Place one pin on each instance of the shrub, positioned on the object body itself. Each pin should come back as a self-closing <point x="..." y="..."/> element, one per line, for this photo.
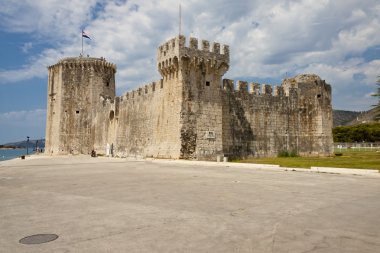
<point x="283" y="153"/>
<point x="286" y="153"/>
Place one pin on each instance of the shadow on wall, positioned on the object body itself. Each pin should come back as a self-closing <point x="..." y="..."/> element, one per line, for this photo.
<point x="241" y="131"/>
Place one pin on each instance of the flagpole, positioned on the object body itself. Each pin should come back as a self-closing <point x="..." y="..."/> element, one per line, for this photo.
<point x="180" y="19"/>
<point x="82" y="42"/>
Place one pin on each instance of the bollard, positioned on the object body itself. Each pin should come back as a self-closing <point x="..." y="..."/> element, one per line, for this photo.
<point x="218" y="158"/>
<point x="225" y="159"/>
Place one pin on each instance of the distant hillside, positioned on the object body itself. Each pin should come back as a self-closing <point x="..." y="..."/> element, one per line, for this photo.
<point x="365" y="117"/>
<point x="349" y="118"/>
<point x="22" y="144"/>
<point x="342" y="118"/>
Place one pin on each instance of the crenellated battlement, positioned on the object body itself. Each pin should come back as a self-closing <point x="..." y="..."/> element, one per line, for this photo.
<point x="171" y="53"/>
<point x="143" y="90"/>
<point x="306" y="84"/>
<point x="205" y="50"/>
<point x="255" y="89"/>
<point x="84" y="62"/>
<point x="173" y="46"/>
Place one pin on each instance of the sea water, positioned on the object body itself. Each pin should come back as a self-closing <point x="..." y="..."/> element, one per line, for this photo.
<point x="6" y="154"/>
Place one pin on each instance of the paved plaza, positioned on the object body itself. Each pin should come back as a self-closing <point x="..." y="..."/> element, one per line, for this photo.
<point x="118" y="205"/>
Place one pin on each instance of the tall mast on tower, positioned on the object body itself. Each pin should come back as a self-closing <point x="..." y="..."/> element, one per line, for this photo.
<point x="179" y="20"/>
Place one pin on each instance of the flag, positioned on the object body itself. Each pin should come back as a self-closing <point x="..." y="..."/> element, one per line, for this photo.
<point x="85" y="35"/>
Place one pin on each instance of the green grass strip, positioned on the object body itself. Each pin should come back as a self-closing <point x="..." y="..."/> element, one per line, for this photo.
<point x="348" y="159"/>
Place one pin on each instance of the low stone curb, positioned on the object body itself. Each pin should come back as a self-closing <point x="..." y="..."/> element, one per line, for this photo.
<point x="220" y="164"/>
<point x="345" y="171"/>
<point x="274" y="167"/>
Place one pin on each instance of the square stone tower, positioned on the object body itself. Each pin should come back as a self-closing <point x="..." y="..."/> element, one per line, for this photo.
<point x="198" y="73"/>
<point x="74" y="87"/>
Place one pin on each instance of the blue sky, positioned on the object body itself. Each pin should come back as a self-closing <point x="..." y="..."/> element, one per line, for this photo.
<point x="338" y="39"/>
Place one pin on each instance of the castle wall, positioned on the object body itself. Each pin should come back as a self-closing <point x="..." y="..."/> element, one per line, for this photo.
<point x="253" y="123"/>
<point x="189" y="114"/>
<point x="141" y="123"/>
<point x="260" y="124"/>
<point x="103" y="125"/>
<point x="148" y="121"/>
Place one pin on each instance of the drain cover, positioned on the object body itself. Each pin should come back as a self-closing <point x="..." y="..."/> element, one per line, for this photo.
<point x="38" y="239"/>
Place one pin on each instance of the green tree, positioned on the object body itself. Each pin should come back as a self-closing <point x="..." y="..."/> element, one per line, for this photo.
<point x="369" y="132"/>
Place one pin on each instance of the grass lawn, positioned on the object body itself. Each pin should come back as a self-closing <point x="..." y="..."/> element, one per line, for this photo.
<point x="349" y="159"/>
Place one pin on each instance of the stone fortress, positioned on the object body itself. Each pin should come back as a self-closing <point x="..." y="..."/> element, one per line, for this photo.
<point x="191" y="113"/>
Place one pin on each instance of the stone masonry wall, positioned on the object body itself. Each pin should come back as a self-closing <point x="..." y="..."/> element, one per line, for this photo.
<point x="189" y="114"/>
<point x="295" y="118"/>
<point x="75" y="85"/>
<point x="255" y="122"/>
<point x="148" y="122"/>
<point x="54" y="102"/>
<point x="201" y="115"/>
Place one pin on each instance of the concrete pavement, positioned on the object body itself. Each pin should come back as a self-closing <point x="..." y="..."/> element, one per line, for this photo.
<point x="119" y="205"/>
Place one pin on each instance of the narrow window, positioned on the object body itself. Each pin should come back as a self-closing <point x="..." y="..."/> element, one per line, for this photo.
<point x="77" y="112"/>
<point x="207" y="83"/>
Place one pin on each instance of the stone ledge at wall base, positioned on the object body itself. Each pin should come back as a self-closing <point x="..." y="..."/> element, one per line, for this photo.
<point x="275" y="167"/>
<point x="345" y="171"/>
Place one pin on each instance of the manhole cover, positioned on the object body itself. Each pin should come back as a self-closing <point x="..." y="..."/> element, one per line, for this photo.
<point x="38" y="239"/>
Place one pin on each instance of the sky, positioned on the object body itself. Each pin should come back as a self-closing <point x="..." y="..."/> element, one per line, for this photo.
<point x="339" y="40"/>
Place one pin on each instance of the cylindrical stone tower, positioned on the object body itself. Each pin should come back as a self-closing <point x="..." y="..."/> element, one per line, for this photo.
<point x="75" y="86"/>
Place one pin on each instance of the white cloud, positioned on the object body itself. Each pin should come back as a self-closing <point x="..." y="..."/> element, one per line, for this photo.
<point x="47" y="18"/>
<point x="36" y="68"/>
<point x="266" y="38"/>
<point x="24" y="118"/>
